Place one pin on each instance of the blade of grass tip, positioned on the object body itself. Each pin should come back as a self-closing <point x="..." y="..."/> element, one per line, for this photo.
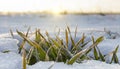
<point x="68" y="29"/>
<point x="60" y="41"/>
<point x="28" y="31"/>
<point x="83" y="38"/>
<point x="116" y="49"/>
<point x="24" y="59"/>
<point x="42" y="36"/>
<point x="75" y="33"/>
<point x="73" y="43"/>
<point x="66" y="35"/>
<point x="23" y="42"/>
<point x="80" y="41"/>
<point x="37" y="36"/>
<point x="11" y="32"/>
<point x="48" y="36"/>
<point x="93" y="40"/>
<point x="100" y="39"/>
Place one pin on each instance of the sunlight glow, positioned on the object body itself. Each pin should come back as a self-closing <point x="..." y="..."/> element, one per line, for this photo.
<point x="57" y="6"/>
<point x="56" y="11"/>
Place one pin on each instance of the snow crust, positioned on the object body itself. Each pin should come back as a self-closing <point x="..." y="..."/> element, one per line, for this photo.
<point x="90" y="64"/>
<point x="8" y="44"/>
<point x="10" y="60"/>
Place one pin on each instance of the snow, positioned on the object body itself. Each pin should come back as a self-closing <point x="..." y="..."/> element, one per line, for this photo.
<point x="89" y="64"/>
<point x="53" y="23"/>
<point x="13" y="61"/>
<point x="8" y="44"/>
<point x="10" y="59"/>
<point x="109" y="45"/>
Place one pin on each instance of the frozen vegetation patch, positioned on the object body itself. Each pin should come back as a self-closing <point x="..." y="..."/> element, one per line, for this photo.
<point x="46" y="52"/>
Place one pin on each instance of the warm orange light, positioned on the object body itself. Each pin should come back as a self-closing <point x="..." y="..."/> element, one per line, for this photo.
<point x="56" y="11"/>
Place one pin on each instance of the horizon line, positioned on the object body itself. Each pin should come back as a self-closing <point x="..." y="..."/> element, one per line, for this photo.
<point x="61" y="12"/>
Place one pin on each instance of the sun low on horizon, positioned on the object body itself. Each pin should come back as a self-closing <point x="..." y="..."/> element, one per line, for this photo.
<point x="57" y="6"/>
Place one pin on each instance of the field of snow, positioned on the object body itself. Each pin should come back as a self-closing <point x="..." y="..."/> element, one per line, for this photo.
<point x="89" y="24"/>
<point x="52" y="22"/>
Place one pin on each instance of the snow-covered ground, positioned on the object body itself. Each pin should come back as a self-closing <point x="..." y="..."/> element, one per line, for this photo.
<point x="10" y="59"/>
<point x="90" y="64"/>
<point x="53" y="22"/>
